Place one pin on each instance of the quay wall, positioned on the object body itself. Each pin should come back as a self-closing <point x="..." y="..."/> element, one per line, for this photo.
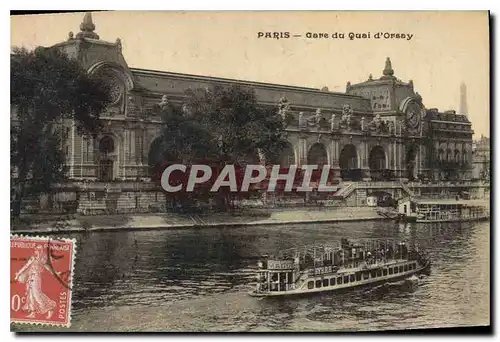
<point x="145" y="197"/>
<point x="245" y="218"/>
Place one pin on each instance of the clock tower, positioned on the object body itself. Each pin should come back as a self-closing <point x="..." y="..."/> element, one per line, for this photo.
<point x="396" y="103"/>
<point x="393" y="100"/>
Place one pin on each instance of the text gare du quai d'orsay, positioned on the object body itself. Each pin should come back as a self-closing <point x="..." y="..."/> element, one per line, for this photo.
<point x="336" y="35"/>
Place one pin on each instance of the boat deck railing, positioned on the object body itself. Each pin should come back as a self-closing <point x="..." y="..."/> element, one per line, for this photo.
<point x="360" y="264"/>
<point x="365" y="243"/>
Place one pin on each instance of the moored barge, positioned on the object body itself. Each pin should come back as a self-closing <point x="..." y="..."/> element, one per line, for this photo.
<point x="429" y="211"/>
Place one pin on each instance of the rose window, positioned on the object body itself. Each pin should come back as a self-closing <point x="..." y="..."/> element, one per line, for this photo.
<point x="114" y="89"/>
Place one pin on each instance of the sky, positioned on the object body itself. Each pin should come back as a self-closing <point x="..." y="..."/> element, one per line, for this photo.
<point x="446" y="48"/>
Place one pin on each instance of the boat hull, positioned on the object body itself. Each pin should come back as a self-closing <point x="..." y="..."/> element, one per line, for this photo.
<point x="410" y="219"/>
<point x="369" y="282"/>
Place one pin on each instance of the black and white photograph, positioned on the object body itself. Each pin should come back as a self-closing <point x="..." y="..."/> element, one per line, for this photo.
<point x="249" y="171"/>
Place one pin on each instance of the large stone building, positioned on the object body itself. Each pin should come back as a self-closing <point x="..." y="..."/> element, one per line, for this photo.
<point x="378" y="129"/>
<point x="481" y="159"/>
<point x="380" y="124"/>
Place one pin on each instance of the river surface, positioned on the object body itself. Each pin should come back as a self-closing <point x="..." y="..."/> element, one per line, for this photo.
<point x="198" y="279"/>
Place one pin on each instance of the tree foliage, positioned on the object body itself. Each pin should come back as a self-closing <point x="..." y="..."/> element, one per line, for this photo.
<point x="46" y="88"/>
<point x="183" y="139"/>
<point x="220" y="126"/>
<point x="239" y="126"/>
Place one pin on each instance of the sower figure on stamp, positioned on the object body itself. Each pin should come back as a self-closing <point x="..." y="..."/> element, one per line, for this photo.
<point x="37" y="302"/>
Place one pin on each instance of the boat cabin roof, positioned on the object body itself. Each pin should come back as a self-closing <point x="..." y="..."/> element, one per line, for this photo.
<point x="353" y="243"/>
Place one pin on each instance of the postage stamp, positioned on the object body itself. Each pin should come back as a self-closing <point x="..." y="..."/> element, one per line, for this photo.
<point x="41" y="276"/>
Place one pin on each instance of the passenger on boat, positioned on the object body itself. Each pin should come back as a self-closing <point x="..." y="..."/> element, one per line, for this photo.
<point x="308" y="259"/>
<point x="404" y="251"/>
<point x="345" y="244"/>
<point x="390" y="254"/>
<point x="328" y="262"/>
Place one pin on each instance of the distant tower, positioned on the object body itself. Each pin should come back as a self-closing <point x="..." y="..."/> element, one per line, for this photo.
<point x="463" y="99"/>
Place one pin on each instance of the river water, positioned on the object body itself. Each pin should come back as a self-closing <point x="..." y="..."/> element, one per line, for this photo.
<point x="198" y="279"/>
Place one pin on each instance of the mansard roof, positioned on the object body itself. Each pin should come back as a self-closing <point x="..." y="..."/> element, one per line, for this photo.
<point x="174" y="84"/>
<point x="449" y="115"/>
<point x="221" y="80"/>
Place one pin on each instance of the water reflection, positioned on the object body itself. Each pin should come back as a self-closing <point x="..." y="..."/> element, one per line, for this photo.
<point x="198" y="279"/>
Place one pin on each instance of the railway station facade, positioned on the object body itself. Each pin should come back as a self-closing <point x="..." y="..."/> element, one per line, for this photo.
<point x="378" y="128"/>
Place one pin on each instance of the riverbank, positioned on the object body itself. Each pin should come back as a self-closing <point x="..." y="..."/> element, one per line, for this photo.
<point x="82" y="223"/>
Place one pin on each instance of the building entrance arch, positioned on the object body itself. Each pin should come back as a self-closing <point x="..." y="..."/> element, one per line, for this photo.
<point x="348" y="163"/>
<point x="377" y="163"/>
<point x="107" y="156"/>
<point x="317" y="155"/>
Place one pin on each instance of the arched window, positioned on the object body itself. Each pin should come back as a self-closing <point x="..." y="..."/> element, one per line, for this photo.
<point x="287" y="156"/>
<point x="317" y="155"/>
<point x="441" y="155"/>
<point x="377" y="158"/>
<point x="106" y="145"/>
<point x="465" y="157"/>
<point x="377" y="163"/>
<point x="348" y="157"/>
<point x="449" y="155"/>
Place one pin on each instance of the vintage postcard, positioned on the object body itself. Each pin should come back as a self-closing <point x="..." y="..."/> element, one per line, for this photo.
<point x="250" y="171"/>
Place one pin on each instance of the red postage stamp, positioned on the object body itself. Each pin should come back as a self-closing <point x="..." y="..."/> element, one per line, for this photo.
<point x="41" y="276"/>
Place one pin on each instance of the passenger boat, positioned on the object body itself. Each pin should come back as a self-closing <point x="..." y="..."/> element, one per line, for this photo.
<point x="345" y="265"/>
<point x="425" y="211"/>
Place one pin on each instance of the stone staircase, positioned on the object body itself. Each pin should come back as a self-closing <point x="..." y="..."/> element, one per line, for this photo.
<point x="408" y="191"/>
<point x="346" y="188"/>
